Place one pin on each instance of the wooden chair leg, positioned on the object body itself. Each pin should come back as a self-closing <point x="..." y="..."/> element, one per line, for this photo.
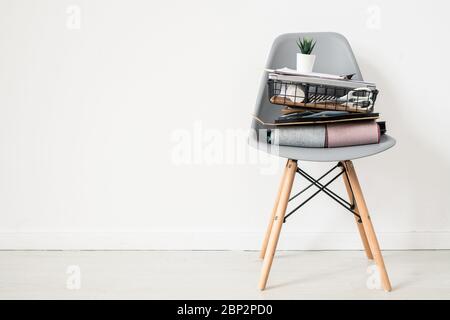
<point x="272" y="215"/>
<point x="291" y="168"/>
<point x="367" y="224"/>
<point x="359" y="224"/>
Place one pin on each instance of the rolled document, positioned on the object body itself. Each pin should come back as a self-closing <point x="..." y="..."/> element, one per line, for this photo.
<point x="292" y="93"/>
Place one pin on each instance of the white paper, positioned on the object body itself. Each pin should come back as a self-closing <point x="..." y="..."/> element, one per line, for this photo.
<point x="293" y="72"/>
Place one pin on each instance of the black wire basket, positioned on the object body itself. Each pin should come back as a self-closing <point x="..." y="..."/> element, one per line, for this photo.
<point x="323" y="97"/>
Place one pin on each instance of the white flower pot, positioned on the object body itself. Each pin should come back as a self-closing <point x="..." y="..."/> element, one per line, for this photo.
<point x="305" y="62"/>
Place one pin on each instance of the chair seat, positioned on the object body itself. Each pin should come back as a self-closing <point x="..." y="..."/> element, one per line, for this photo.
<point x="325" y="154"/>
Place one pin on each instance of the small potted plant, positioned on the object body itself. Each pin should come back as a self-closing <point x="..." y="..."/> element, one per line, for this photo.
<point x="305" y="60"/>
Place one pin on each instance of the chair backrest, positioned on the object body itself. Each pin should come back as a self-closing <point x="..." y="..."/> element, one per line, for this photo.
<point x="333" y="55"/>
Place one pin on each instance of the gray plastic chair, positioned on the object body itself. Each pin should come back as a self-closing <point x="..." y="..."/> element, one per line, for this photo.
<point x="334" y="56"/>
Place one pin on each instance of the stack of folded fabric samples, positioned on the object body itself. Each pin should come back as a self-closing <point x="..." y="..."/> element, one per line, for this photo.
<point x="339" y="122"/>
<point x="330" y="135"/>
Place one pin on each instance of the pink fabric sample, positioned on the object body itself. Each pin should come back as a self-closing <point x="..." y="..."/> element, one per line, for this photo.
<point x="352" y="133"/>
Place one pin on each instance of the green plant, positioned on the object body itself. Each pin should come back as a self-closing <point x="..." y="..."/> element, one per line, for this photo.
<point x="306" y="45"/>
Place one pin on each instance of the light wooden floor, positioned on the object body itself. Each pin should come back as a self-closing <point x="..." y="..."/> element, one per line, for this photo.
<point x="219" y="275"/>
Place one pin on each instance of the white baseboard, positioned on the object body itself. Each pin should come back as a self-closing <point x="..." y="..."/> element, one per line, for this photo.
<point x="214" y="240"/>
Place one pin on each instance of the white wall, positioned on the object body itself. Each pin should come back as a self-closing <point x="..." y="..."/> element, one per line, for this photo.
<point x="87" y="156"/>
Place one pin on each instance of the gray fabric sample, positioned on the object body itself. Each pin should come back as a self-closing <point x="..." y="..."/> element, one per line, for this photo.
<point x="312" y="136"/>
<point x="325" y="154"/>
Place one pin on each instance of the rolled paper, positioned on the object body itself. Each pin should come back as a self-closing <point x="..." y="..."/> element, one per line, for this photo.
<point x="352" y="134"/>
<point x="291" y="92"/>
